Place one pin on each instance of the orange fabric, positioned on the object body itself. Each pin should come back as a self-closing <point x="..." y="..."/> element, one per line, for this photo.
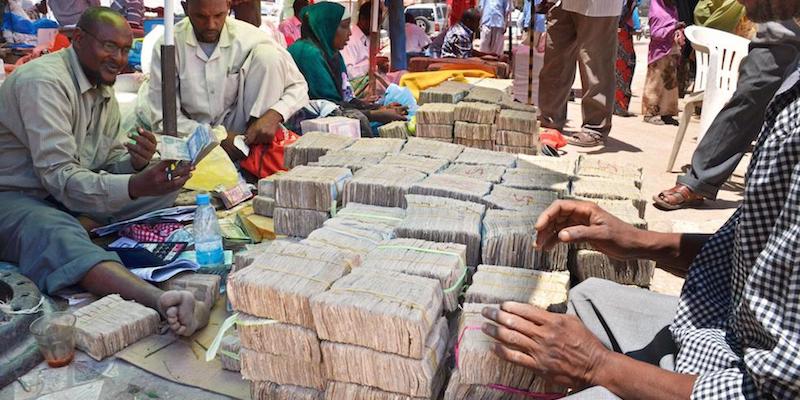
<point x="552" y="137"/>
<point x="266" y="160"/>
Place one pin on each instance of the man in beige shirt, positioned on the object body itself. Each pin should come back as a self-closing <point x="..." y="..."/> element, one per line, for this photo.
<point x="229" y="73"/>
<point x="62" y="156"/>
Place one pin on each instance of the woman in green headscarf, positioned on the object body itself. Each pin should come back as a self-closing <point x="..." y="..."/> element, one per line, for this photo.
<point x="324" y="31"/>
<point x="724" y="15"/>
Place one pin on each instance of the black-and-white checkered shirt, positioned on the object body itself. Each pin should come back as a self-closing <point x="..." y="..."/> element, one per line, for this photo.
<point x="738" y="322"/>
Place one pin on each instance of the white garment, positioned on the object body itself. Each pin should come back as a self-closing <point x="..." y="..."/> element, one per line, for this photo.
<point x="356" y="53"/>
<point x="215" y="89"/>
<point x="594" y="8"/>
<point x="492" y="40"/>
<point x="416" y="39"/>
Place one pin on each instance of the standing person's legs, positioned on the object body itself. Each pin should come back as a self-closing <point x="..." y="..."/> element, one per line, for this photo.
<point x="660" y="98"/>
<point x="627" y="320"/>
<point x="597" y="44"/>
<point x="490" y="42"/>
<point x="735" y="127"/>
<point x="498" y="40"/>
<point x="558" y="71"/>
<point x="625" y="65"/>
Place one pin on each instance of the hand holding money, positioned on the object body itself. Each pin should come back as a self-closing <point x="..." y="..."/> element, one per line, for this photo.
<point x="153" y="181"/>
<point x="141" y="146"/>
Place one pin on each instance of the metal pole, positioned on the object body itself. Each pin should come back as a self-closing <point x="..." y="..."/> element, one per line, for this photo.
<point x="374" y="36"/>
<point x="168" y="72"/>
<point x="397" y="35"/>
<point x="531" y="45"/>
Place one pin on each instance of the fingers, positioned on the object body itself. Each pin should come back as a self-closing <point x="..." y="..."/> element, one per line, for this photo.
<point x="581" y="233"/>
<point x="510" y="338"/>
<point x="511" y="321"/>
<point x="530" y="312"/>
<point x="560" y="214"/>
<point x="515" y="356"/>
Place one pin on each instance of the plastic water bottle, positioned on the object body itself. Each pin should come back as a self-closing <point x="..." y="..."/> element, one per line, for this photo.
<point x="207" y="236"/>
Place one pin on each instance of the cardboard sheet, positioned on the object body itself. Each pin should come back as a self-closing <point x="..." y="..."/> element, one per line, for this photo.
<point x="181" y="359"/>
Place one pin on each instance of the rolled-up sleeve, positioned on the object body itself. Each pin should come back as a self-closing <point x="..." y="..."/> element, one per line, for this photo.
<point x="46" y="115"/>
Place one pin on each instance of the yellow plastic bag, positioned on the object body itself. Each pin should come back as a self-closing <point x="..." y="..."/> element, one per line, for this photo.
<point x="215" y="169"/>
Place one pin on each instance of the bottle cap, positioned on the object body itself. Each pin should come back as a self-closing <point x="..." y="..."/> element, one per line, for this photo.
<point x="203" y="199"/>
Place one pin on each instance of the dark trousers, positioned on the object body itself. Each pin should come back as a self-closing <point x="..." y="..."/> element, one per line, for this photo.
<point x="740" y="121"/>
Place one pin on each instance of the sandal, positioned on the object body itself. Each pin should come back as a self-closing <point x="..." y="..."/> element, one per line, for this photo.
<point x="678" y="197"/>
<point x="585" y="139"/>
<point x="654" y="119"/>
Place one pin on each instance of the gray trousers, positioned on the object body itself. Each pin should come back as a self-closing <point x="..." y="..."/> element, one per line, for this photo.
<point x="740" y="121"/>
<point x="592" y="42"/>
<point x="49" y="244"/>
<point x="627" y="320"/>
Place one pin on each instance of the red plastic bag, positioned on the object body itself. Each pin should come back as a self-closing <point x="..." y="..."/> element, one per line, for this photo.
<point x="266" y="160"/>
<point x="552" y="137"/>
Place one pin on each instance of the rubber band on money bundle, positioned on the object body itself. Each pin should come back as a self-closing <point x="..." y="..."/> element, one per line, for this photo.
<point x="434" y="251"/>
<point x="352" y="235"/>
<point x="226" y="325"/>
<point x="293" y="274"/>
<point x="8" y="310"/>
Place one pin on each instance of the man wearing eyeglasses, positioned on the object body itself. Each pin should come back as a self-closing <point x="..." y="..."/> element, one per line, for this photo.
<point x="229" y="74"/>
<point x="63" y="157"/>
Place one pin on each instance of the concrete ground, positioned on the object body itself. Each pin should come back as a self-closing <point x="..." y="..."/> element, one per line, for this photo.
<point x="634" y="141"/>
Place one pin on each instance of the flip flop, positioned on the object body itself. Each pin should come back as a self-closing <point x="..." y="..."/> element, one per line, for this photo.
<point x="683" y="197"/>
<point x="585" y="139"/>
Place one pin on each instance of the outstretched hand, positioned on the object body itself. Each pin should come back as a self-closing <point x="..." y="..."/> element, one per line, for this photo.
<point x="557" y="347"/>
<point x="141" y="147"/>
<point x="571" y="221"/>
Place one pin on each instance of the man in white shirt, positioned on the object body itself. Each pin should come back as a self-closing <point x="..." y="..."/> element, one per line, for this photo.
<point x="584" y="31"/>
<point x="416" y="38"/>
<point x="356" y="52"/>
<point x="230" y="74"/>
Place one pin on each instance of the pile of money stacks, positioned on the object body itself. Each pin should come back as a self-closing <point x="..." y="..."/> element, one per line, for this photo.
<point x="597" y="188"/>
<point x="561" y="166"/>
<point x="509" y="198"/>
<point x="537" y="179"/>
<point x="111" y="324"/>
<point x="384" y="330"/>
<point x="483" y="172"/>
<point x="444" y="220"/>
<point x="358" y="228"/>
<point x="486" y="157"/>
<point x="394" y="129"/>
<point x="432" y="149"/>
<point x="382" y="185"/>
<point x="305" y="196"/>
<point x="452" y="187"/>
<point x="347" y="158"/>
<point x="517" y="132"/>
<point x="273" y="391"/>
<point x="474" y="126"/>
<point x="204" y="287"/>
<point x="311" y="146"/>
<point x="229" y="352"/>
<point x="422" y="164"/>
<point x="264" y="203"/>
<point x="445" y="262"/>
<point x="586" y="262"/>
<point x="435" y="121"/>
<point x="378" y="145"/>
<point x="486" y="95"/>
<point x="591" y="166"/>
<point x="494" y="284"/>
<point x="509" y="239"/>
<point x="342" y="126"/>
<point x="446" y="92"/>
<point x="273" y="295"/>
<point x="480" y="373"/>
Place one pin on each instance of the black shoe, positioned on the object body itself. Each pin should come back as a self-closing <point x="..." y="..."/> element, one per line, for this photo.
<point x="624" y="113"/>
<point x="669" y="120"/>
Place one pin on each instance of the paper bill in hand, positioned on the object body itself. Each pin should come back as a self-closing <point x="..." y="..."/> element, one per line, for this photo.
<point x="193" y="149"/>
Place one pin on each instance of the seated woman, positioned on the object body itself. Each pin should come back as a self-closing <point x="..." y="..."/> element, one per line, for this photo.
<point x="324" y="32"/>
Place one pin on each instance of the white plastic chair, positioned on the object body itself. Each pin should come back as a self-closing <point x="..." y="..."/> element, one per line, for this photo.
<point x="718" y="55"/>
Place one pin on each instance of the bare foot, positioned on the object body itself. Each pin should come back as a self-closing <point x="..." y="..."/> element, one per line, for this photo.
<point x="184" y="314"/>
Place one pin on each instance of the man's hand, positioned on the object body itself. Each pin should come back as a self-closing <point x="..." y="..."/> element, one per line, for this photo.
<point x="557" y="347"/>
<point x="262" y="130"/>
<point x="570" y="221"/>
<point x="141" y="147"/>
<point x="385" y="115"/>
<point x="155" y="180"/>
<point x="228" y="145"/>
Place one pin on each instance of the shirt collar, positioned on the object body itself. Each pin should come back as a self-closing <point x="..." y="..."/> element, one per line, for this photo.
<point x="83" y="82"/>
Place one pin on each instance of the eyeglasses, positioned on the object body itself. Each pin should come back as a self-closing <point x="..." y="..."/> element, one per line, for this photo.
<point x="108" y="46"/>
